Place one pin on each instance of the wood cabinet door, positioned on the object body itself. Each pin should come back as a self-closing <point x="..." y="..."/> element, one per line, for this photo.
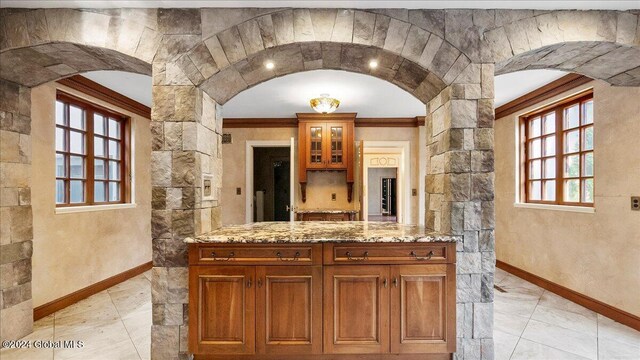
<point x="221" y="309"/>
<point x="356" y="309"/>
<point x="337" y="145"/>
<point x="338" y="217"/>
<point x="423" y="308"/>
<point x="313" y="217"/>
<point x="315" y="143"/>
<point x="289" y="310"/>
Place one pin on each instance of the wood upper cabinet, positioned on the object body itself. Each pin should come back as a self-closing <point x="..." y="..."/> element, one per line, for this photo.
<point x="289" y="309"/>
<point x="222" y="302"/>
<point x="356" y="315"/>
<point x="337" y="151"/>
<point x="325" y="142"/>
<point x="315" y="145"/>
<point x="423" y="308"/>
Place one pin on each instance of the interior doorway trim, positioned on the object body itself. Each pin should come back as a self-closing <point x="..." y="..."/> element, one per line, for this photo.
<point x="404" y="171"/>
<point x="248" y="182"/>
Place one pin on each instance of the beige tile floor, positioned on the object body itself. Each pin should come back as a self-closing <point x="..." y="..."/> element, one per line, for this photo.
<point x="532" y="323"/>
<point x="113" y="324"/>
<point x="529" y="323"/>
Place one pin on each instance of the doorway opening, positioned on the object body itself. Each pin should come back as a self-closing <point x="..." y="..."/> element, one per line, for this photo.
<point x="385" y="181"/>
<point x="271" y="183"/>
<point x="383" y="196"/>
<point x="270" y="176"/>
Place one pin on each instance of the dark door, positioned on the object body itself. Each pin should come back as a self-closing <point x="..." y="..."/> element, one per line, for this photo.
<point x="271" y="176"/>
<point x="281" y="181"/>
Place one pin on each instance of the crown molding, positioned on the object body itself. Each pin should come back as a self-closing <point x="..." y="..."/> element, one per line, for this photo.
<point x="92" y="88"/>
<point x="545" y="92"/>
<point x="230" y="123"/>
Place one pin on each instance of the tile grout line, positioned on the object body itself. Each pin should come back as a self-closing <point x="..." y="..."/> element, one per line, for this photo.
<point x="123" y="325"/>
<point x="547" y="345"/>
<point x="597" y="337"/>
<point x="525" y="327"/>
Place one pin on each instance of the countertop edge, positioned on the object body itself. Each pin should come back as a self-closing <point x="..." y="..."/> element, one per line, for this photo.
<point x="428" y="239"/>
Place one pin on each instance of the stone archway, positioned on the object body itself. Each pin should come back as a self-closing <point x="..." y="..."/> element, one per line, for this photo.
<point x="202" y="57"/>
<point x="603" y="45"/>
<point x="38" y="46"/>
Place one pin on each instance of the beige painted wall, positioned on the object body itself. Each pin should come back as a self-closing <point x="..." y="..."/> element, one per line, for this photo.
<point x="596" y="254"/>
<point x="73" y="251"/>
<point x="320" y="184"/>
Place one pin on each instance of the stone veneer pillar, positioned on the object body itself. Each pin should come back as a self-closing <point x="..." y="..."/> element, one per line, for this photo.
<point x="186" y="129"/>
<point x="460" y="194"/>
<point x="16" y="219"/>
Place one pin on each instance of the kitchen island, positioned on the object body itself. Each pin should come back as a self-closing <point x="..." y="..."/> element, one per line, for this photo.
<point x="322" y="290"/>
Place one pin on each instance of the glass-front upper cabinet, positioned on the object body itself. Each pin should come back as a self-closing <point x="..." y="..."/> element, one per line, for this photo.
<point x="336" y="148"/>
<point x="315" y="146"/>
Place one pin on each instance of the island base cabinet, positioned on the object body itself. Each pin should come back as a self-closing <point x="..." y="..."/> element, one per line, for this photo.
<point x="356" y="317"/>
<point x="244" y="310"/>
<point x="357" y="302"/>
<point x="397" y="309"/>
<point x="423" y="308"/>
<point x="222" y="309"/>
<point x="289" y="310"/>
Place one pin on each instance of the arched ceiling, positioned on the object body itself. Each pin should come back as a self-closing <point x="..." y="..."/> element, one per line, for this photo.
<point x="274" y="99"/>
<point x="392" y="4"/>
<point x="284" y="96"/>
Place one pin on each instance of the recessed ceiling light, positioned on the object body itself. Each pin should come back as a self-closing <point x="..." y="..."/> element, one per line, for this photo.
<point x="373" y="64"/>
<point x="269" y="65"/>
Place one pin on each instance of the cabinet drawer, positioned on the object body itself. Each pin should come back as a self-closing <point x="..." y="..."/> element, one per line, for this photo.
<point x="389" y="253"/>
<point x="255" y="254"/>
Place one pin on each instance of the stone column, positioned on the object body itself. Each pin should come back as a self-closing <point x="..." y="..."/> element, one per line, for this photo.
<point x="16" y="219"/>
<point x="459" y="199"/>
<point x="186" y="128"/>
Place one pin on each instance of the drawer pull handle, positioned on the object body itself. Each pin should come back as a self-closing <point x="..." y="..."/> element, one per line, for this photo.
<point x="384" y="282"/>
<point x="363" y="258"/>
<point x="395" y="282"/>
<point x="228" y="258"/>
<point x="295" y="257"/>
<point x="259" y="282"/>
<point x="249" y="283"/>
<point x="419" y="258"/>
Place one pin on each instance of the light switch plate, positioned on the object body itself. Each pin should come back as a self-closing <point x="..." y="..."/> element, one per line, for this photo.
<point x="635" y="203"/>
<point x="238" y="191"/>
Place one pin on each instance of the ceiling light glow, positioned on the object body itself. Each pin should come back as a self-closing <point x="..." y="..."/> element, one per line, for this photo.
<point x="269" y="65"/>
<point x="373" y="64"/>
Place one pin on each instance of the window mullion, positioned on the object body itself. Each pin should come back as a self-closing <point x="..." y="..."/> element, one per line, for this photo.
<point x="559" y="155"/>
<point x="90" y="158"/>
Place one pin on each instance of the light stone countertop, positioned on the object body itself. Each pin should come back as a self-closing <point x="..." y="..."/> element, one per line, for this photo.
<point x="321" y="231"/>
<point x="325" y="211"/>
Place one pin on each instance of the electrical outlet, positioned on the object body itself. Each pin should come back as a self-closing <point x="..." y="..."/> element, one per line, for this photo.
<point x="333" y="197"/>
<point x="414" y="192"/>
<point x="635" y="203"/>
<point x="238" y="191"/>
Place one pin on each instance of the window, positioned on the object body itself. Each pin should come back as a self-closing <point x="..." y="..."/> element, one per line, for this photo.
<point x="557" y="148"/>
<point x="91" y="154"/>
